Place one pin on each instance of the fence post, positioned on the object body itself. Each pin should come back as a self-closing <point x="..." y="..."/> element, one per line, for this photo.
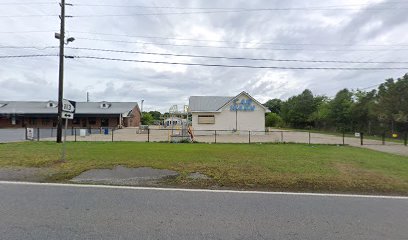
<point x="26" y="133"/>
<point x="38" y="134"/>
<point x="75" y="133"/>
<point x="343" y="138"/>
<point x="309" y="136"/>
<point x="362" y="139"/>
<point x="383" y="138"/>
<point x="249" y="136"/>
<point x="148" y="135"/>
<point x="281" y="136"/>
<point x="215" y="136"/>
<point x="405" y="138"/>
<point x="112" y="134"/>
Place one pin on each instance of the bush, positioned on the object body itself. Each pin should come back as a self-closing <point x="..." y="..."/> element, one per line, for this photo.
<point x="273" y="120"/>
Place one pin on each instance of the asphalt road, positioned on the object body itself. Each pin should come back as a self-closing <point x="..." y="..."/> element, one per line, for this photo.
<point x="69" y="212"/>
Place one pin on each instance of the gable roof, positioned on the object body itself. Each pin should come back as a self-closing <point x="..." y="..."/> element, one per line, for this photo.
<point x="207" y="103"/>
<point x="40" y="107"/>
<point x="215" y="103"/>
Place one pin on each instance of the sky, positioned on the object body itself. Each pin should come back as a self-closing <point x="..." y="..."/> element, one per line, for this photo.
<point x="351" y="30"/>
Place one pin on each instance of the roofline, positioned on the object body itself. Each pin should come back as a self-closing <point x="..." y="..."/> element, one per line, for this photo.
<point x="205" y="111"/>
<point x="249" y="96"/>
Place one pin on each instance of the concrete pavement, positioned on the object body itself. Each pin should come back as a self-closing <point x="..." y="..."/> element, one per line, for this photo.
<point x="37" y="211"/>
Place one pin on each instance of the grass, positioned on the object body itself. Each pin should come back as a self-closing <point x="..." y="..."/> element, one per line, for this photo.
<point x="294" y="167"/>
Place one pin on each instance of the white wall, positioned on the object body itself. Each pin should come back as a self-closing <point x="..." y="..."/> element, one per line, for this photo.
<point x="226" y="119"/>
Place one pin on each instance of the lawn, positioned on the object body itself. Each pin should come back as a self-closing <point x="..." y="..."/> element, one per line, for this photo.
<point x="294" y="167"/>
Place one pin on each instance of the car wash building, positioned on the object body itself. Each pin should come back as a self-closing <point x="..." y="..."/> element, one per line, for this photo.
<point x="237" y="113"/>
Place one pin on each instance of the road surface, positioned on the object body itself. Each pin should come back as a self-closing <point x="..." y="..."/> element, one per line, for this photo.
<point x="36" y="211"/>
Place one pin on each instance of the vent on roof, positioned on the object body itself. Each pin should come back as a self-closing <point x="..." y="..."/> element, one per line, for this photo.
<point x="52" y="104"/>
<point x="104" y="105"/>
<point x="2" y="104"/>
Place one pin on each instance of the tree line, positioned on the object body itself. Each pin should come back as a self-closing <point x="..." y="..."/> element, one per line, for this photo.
<point x="372" y="112"/>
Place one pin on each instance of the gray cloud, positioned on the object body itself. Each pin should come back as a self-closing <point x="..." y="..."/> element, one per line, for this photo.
<point x="164" y="85"/>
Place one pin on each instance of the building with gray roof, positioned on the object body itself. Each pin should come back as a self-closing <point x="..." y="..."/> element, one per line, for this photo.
<point x="87" y="114"/>
<point x="237" y="113"/>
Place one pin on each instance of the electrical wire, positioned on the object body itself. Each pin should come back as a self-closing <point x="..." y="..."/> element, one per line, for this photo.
<point x="251" y="48"/>
<point x="239" y="66"/>
<point x="28" y="56"/>
<point x="233" y="58"/>
<point x="235" y="42"/>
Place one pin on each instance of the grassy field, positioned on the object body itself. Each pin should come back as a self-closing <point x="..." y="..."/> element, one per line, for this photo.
<point x="294" y="167"/>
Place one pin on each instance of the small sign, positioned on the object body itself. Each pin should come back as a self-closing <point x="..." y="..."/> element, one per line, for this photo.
<point x="30" y="133"/>
<point x="357" y="134"/>
<point x="68" y="106"/>
<point x="394" y="135"/>
<point x="67" y="115"/>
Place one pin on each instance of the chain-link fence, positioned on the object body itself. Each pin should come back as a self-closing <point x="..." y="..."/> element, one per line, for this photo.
<point x="155" y="134"/>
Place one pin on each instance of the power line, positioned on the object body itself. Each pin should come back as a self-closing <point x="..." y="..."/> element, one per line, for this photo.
<point x="29" y="56"/>
<point x="234" y="58"/>
<point x="29" y="3"/>
<point x="369" y="87"/>
<point x="19" y="32"/>
<point x="26" y="16"/>
<point x="336" y="7"/>
<point x="251" y="48"/>
<point x="25" y="47"/>
<point x="236" y="42"/>
<point x="240" y="66"/>
<point x="226" y="11"/>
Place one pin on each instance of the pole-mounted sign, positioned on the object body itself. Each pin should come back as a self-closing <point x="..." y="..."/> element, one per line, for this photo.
<point x="68" y="106"/>
<point x="67" y="115"/>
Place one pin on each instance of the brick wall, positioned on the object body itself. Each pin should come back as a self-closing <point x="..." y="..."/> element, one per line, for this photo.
<point x="134" y="119"/>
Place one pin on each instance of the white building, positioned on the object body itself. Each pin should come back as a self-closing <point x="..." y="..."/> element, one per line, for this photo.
<point x="240" y="113"/>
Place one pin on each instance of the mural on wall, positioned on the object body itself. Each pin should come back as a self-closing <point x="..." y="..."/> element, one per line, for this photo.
<point x="243" y="105"/>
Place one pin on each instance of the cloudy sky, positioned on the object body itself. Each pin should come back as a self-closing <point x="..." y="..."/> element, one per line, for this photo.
<point x="352" y="30"/>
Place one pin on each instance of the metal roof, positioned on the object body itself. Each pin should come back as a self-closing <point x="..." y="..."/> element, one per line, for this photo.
<point x="37" y="107"/>
<point x="207" y="103"/>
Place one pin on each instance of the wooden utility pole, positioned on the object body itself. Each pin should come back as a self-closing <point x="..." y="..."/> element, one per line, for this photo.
<point x="61" y="71"/>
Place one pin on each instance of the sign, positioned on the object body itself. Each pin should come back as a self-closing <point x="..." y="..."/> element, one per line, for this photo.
<point x="68" y="106"/>
<point x="67" y="115"/>
<point x="357" y="134"/>
<point x="244" y="105"/>
<point x="30" y="133"/>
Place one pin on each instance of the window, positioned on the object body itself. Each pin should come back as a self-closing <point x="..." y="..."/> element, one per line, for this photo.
<point x="104" y="105"/>
<point x="206" y="119"/>
<point x="92" y="121"/>
<point x="32" y="121"/>
<point x="45" y="121"/>
<point x="75" y="121"/>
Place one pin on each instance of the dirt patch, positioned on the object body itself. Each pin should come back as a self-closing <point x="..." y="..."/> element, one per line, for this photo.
<point x="198" y="176"/>
<point x="125" y="176"/>
<point x="26" y="174"/>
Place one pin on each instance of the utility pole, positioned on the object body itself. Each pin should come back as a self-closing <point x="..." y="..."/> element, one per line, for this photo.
<point x="61" y="71"/>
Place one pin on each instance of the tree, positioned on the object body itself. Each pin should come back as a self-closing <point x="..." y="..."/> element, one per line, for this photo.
<point x="274" y="105"/>
<point x="155" y="114"/>
<point x="363" y="115"/>
<point x="320" y="117"/>
<point x="273" y="120"/>
<point x="341" y="110"/>
<point x="393" y="103"/>
<point x="147" y="119"/>
<point x="296" y="111"/>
